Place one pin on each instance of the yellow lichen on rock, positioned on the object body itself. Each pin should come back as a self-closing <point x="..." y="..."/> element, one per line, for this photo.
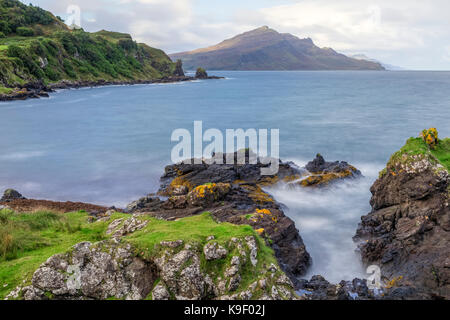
<point x="394" y="282"/>
<point x="264" y="211"/>
<point x="257" y="194"/>
<point x="325" y="178"/>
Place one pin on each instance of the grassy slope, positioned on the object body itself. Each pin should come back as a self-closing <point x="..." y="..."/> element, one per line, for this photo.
<point x="29" y="239"/>
<point x="56" y="53"/>
<point x="416" y="146"/>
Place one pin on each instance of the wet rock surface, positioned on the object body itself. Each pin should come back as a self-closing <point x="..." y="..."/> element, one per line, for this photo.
<point x="323" y="173"/>
<point x="408" y="231"/>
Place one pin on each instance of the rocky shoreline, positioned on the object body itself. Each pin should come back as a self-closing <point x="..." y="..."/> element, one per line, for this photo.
<point x="406" y="234"/>
<point x="38" y="89"/>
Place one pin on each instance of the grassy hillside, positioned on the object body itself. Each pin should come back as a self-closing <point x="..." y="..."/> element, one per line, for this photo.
<point x="38" y="46"/>
<point x="29" y="239"/>
<point x="417" y="147"/>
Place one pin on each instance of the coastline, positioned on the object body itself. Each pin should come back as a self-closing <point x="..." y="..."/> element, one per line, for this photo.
<point x="35" y="90"/>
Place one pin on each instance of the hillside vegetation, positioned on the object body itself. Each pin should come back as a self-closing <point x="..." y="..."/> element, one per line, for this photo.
<point x="37" y="46"/>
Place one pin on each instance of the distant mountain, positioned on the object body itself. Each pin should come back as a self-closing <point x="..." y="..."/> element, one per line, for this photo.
<point x="266" y="49"/>
<point x="387" y="66"/>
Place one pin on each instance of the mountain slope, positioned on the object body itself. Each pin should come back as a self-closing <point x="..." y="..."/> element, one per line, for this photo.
<point x="40" y="48"/>
<point x="387" y="66"/>
<point x="266" y="49"/>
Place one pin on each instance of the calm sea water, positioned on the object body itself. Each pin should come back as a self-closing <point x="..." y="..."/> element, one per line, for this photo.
<point x="109" y="145"/>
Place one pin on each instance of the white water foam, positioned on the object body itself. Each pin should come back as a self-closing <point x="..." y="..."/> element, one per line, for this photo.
<point x="327" y="220"/>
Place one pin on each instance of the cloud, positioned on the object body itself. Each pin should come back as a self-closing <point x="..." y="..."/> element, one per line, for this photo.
<point x="409" y="33"/>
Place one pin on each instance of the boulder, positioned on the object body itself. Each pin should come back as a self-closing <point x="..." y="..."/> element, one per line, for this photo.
<point x="10" y="195"/>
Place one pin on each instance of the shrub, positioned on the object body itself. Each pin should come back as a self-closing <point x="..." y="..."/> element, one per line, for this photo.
<point x="430" y="137"/>
<point x="25" y="32"/>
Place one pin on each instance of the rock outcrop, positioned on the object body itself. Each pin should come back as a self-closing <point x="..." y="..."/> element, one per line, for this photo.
<point x="10" y="195"/>
<point x="116" y="269"/>
<point x="408" y="231"/>
<point x="234" y="193"/>
<point x="323" y="173"/>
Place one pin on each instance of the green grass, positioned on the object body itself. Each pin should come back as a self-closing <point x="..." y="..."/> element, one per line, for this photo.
<point x="29" y="239"/>
<point x="4" y="90"/>
<point x="191" y="229"/>
<point x="54" y="53"/>
<point x="416" y="146"/>
<point x="195" y="230"/>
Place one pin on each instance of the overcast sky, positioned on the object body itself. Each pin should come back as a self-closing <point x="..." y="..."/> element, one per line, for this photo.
<point x="407" y="33"/>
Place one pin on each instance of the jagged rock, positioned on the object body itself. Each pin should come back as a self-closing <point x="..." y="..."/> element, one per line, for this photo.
<point x="147" y="202"/>
<point x="201" y="74"/>
<point x="121" y="227"/>
<point x="251" y="243"/>
<point x="323" y="172"/>
<point x="11" y="194"/>
<point x="182" y="274"/>
<point x="160" y="292"/>
<point x="172" y="244"/>
<point x="178" y="69"/>
<point x="214" y="251"/>
<point x="89" y="271"/>
<point x="206" y="194"/>
<point x="407" y="233"/>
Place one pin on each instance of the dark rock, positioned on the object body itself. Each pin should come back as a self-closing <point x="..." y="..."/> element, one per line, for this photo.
<point x="178" y="69"/>
<point x="407" y="233"/>
<point x="10" y="195"/>
<point x="201" y="74"/>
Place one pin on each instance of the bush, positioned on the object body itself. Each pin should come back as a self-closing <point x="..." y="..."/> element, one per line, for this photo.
<point x="25" y="32"/>
<point x="430" y="137"/>
<point x="2" y="35"/>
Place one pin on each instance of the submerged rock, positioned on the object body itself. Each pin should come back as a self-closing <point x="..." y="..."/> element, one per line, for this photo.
<point x="324" y="173"/>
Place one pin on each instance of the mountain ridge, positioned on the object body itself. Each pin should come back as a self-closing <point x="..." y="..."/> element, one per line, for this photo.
<point x="267" y="49"/>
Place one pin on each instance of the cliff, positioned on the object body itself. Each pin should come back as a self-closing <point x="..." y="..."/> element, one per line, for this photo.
<point x="407" y="233"/>
<point x="49" y="52"/>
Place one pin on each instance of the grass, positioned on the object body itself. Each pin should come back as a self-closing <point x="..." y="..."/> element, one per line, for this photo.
<point x="182" y="229"/>
<point x="29" y="239"/>
<point x="4" y="90"/>
<point x="416" y="146"/>
<point x="195" y="230"/>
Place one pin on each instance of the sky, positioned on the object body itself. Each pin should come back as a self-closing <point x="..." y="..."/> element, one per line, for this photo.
<point x="407" y="33"/>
